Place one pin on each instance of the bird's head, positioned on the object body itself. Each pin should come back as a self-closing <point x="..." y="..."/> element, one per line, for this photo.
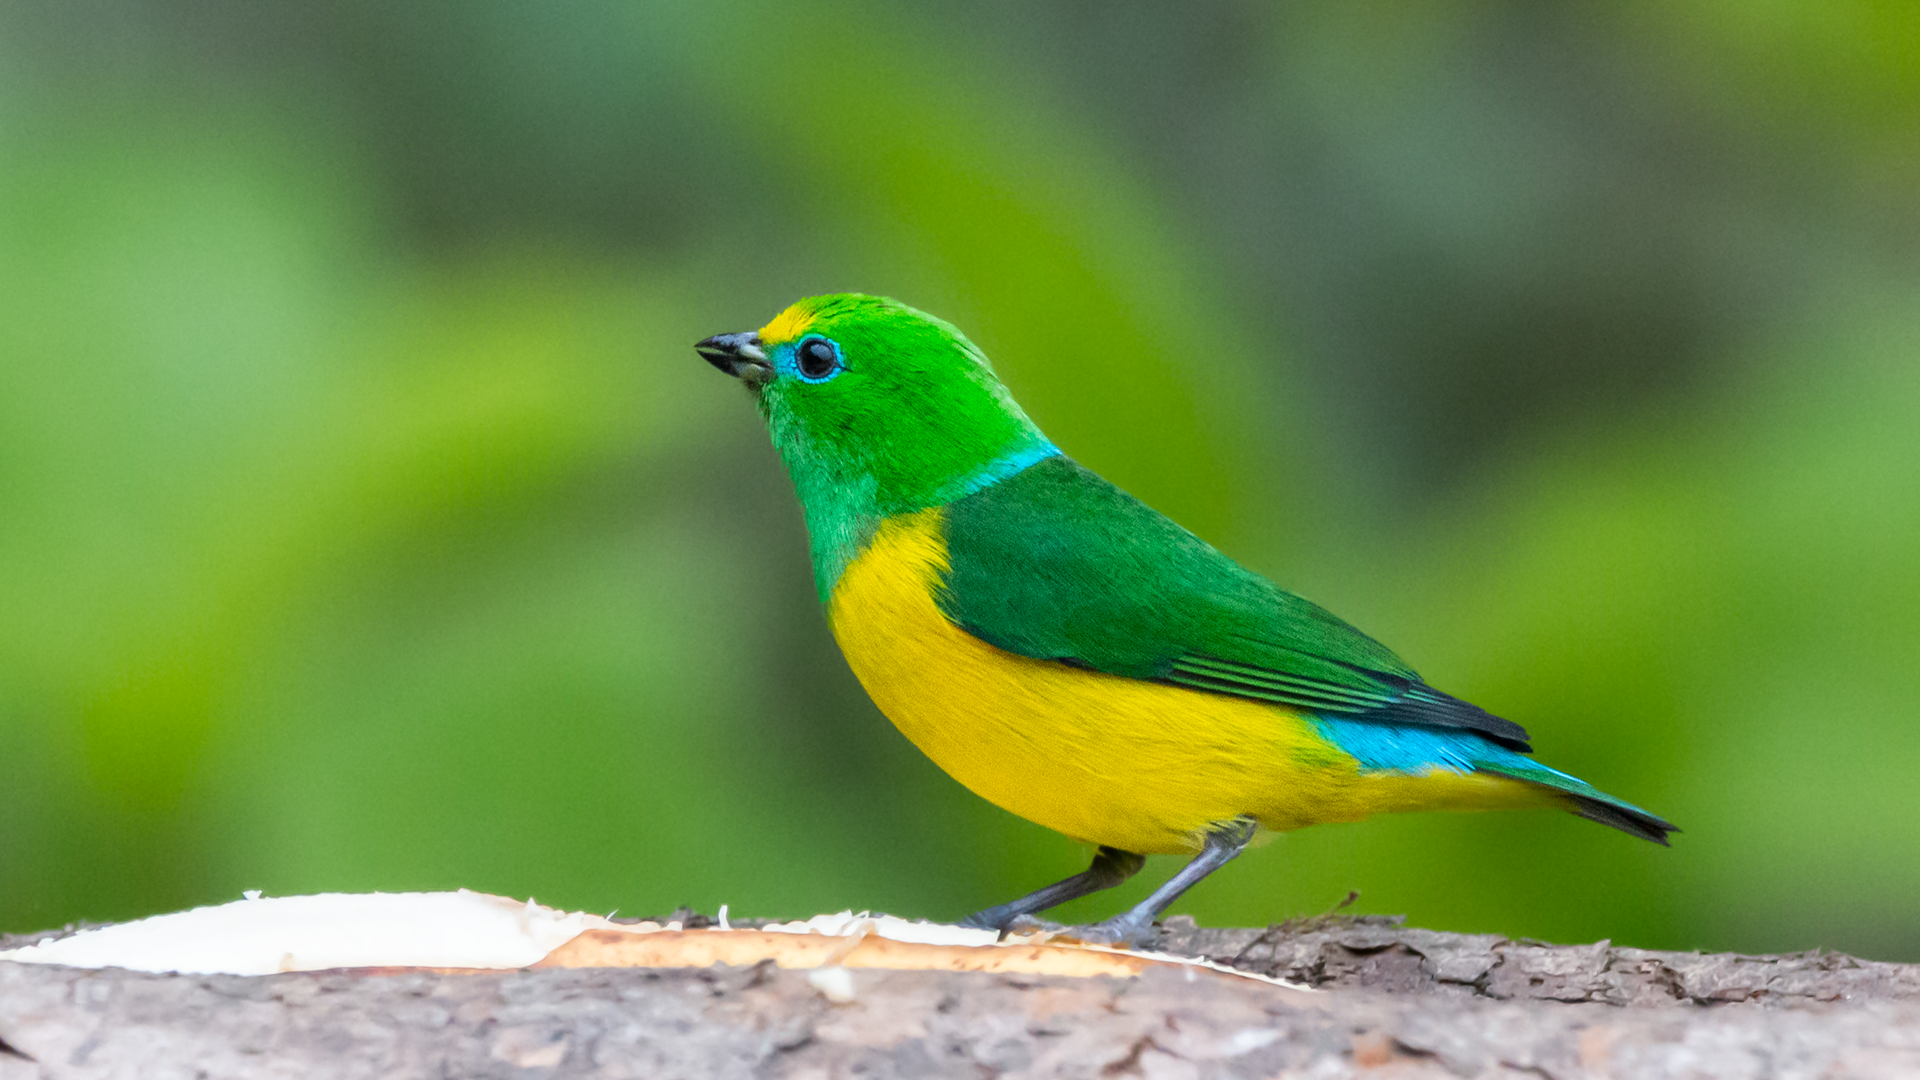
<point x="877" y="408"/>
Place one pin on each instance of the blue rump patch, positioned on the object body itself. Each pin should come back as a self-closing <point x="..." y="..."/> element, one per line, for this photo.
<point x="1410" y="748"/>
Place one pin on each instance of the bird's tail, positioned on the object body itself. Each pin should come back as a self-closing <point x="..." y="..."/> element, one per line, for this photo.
<point x="1408" y="748"/>
<point x="1586" y="800"/>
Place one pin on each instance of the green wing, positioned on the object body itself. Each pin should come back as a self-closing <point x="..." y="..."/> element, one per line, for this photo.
<point x="1057" y="564"/>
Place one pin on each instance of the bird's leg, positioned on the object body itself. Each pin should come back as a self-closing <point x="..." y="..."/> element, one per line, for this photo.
<point x="1222" y="844"/>
<point x="1111" y="866"/>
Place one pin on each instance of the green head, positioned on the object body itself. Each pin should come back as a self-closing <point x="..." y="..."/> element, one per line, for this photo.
<point x="877" y="410"/>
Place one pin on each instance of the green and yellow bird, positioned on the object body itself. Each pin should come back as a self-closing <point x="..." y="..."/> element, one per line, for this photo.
<point x="1072" y="655"/>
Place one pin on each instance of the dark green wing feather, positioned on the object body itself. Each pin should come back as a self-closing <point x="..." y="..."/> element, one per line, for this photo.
<point x="1057" y="564"/>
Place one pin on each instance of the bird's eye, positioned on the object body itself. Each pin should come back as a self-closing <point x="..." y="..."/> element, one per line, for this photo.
<point x="818" y="359"/>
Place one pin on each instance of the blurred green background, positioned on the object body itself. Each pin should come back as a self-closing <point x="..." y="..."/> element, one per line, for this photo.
<point x="367" y="521"/>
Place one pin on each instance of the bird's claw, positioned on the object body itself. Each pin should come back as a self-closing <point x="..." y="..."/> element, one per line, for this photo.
<point x="1121" y="931"/>
<point x="1014" y="925"/>
<point x="1030" y="924"/>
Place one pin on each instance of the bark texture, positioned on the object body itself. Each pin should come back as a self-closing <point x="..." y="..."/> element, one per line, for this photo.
<point x="1397" y="1002"/>
<point x="1376" y="952"/>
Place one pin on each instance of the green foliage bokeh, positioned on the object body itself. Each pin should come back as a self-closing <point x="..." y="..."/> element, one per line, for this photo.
<point x="367" y="522"/>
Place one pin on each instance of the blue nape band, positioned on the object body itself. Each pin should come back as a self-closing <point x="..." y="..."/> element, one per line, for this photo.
<point x="1007" y="464"/>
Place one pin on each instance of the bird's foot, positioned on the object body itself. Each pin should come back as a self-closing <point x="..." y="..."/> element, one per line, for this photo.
<point x="1030" y="924"/>
<point x="1010" y="924"/>
<point x="1129" y="931"/>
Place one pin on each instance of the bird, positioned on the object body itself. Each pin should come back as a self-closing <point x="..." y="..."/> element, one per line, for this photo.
<point x="1074" y="656"/>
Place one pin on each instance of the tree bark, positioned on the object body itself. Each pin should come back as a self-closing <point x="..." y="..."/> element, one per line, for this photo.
<point x="1394" y="1002"/>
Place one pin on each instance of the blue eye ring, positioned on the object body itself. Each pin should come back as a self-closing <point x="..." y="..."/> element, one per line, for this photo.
<point x="817" y="359"/>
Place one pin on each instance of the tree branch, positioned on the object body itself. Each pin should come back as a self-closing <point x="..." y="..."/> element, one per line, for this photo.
<point x="1425" y="1003"/>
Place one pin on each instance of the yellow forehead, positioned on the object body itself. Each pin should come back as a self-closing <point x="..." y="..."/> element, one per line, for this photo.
<point x="787" y="326"/>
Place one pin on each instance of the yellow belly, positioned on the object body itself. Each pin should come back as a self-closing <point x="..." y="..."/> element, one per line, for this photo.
<point x="1109" y="760"/>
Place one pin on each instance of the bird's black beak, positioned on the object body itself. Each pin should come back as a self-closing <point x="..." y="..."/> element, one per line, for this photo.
<point x="739" y="355"/>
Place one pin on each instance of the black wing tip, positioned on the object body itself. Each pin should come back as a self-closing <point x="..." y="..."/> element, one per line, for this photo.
<point x="1422" y="704"/>
<point x="1632" y="822"/>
